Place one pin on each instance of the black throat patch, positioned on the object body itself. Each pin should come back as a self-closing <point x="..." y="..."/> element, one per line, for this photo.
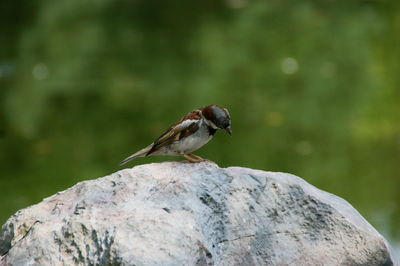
<point x="211" y="130"/>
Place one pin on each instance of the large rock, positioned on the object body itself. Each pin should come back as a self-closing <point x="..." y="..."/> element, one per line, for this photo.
<point x="176" y="213"/>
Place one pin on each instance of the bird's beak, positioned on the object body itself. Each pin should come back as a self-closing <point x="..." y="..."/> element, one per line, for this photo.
<point x="229" y="130"/>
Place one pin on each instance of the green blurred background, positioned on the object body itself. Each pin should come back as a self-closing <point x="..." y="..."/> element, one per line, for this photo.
<point x="313" y="88"/>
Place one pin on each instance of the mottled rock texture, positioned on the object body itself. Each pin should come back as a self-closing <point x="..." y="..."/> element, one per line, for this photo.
<point x="176" y="213"/>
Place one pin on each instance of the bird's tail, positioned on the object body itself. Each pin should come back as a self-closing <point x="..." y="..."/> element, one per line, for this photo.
<point x="141" y="153"/>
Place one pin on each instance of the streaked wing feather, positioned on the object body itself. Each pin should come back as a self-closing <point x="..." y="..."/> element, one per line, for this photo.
<point x="189" y="130"/>
<point x="177" y="132"/>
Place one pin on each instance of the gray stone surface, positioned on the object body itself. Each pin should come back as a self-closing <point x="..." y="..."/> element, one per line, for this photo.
<point x="176" y="213"/>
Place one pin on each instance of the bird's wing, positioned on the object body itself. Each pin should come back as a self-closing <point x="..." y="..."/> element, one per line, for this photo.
<point x="183" y="128"/>
<point x="176" y="132"/>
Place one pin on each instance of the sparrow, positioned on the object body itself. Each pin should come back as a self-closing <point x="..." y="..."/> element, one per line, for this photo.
<point x="190" y="133"/>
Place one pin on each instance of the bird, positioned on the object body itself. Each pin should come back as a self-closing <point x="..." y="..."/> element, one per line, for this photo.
<point x="190" y="133"/>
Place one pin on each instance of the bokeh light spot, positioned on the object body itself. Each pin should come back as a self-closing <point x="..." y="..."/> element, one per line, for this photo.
<point x="289" y="65"/>
<point x="40" y="71"/>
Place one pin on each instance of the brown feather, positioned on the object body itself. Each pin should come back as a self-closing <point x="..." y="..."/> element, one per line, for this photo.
<point x="175" y="132"/>
<point x="193" y="115"/>
<point x="189" y="130"/>
<point x="209" y="114"/>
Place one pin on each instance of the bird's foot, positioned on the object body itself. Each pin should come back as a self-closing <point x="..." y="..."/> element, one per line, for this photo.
<point x="191" y="158"/>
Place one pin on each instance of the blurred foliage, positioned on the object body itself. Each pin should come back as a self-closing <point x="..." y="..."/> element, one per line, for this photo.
<point x="312" y="88"/>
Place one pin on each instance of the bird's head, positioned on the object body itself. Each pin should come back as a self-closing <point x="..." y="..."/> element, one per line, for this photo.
<point x="217" y="117"/>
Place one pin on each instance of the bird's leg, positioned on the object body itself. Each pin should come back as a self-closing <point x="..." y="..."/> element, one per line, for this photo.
<point x="193" y="158"/>
<point x="198" y="158"/>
